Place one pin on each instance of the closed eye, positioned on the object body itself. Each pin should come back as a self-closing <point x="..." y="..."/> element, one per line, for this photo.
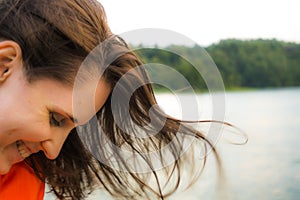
<point x="56" y="119"/>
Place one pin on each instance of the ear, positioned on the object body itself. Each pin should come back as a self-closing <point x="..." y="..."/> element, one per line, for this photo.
<point x="10" y="58"/>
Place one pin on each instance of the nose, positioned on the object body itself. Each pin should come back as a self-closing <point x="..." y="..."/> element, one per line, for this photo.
<point x="53" y="145"/>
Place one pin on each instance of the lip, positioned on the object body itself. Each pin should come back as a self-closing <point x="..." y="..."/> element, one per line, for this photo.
<point x="23" y="150"/>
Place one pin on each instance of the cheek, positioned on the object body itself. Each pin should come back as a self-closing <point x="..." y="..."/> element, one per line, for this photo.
<point x="11" y="129"/>
<point x="34" y="131"/>
<point x="8" y="124"/>
<point x="29" y="128"/>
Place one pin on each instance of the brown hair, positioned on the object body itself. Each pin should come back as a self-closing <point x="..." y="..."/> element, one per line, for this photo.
<point x="55" y="37"/>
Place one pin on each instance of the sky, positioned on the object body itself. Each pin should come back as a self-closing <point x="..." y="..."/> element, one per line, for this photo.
<point x="203" y="22"/>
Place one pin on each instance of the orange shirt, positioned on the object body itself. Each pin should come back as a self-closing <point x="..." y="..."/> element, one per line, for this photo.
<point x="20" y="183"/>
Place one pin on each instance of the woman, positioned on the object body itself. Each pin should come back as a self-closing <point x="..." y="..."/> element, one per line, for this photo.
<point x="48" y="130"/>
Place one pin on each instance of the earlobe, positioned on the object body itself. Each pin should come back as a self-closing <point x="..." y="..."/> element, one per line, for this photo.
<point x="4" y="73"/>
<point x="10" y="57"/>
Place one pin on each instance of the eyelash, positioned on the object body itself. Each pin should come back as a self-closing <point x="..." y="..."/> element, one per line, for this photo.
<point x="53" y="120"/>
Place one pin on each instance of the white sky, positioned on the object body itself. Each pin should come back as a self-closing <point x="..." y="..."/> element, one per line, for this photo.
<point x="208" y="21"/>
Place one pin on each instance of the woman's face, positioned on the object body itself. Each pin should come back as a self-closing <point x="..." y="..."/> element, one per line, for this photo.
<point x="36" y="116"/>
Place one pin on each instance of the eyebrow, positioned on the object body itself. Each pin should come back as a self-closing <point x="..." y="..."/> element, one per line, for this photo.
<point x="63" y="112"/>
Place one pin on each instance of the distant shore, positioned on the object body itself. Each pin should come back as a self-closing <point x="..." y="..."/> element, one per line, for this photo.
<point x="229" y="89"/>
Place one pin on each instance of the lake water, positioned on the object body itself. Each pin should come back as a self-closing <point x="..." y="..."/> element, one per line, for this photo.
<point x="268" y="166"/>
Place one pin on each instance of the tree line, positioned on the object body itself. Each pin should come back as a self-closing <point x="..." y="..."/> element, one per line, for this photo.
<point x="242" y="63"/>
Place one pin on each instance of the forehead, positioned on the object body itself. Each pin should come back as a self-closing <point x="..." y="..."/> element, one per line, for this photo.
<point x="51" y="93"/>
<point x="88" y="99"/>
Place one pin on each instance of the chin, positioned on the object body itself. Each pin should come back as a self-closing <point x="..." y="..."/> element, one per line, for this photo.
<point x="4" y="168"/>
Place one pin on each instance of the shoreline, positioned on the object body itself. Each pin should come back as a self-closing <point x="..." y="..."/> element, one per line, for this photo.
<point x="229" y="89"/>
